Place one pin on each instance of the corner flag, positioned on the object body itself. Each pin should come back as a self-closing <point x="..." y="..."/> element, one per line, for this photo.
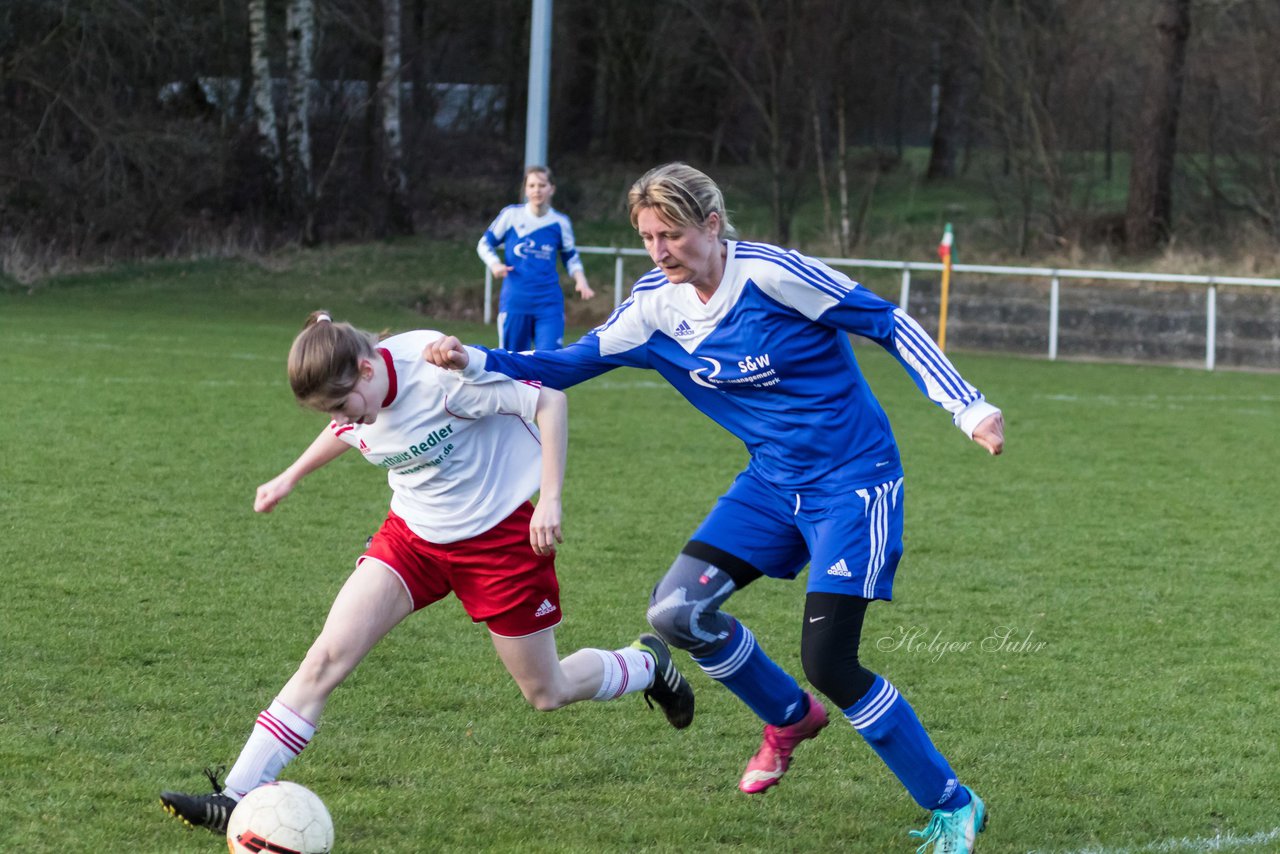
<point x="944" y="252"/>
<point x="944" y="248"/>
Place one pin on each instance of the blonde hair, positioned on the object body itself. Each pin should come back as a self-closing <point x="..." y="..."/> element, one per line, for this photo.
<point x="680" y="195"/>
<point x="544" y="171"/>
<point x="324" y="361"/>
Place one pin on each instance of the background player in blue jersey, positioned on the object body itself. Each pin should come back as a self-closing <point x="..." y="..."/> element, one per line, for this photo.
<point x="756" y="338"/>
<point x="534" y="235"/>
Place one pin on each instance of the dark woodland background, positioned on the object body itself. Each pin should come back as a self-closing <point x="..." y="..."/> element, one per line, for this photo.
<point x="136" y="127"/>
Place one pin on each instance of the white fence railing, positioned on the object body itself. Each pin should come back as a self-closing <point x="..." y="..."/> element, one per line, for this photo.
<point x="1054" y="275"/>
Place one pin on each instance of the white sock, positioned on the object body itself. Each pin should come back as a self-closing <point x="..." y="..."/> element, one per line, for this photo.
<point x="626" y="671"/>
<point x="278" y="736"/>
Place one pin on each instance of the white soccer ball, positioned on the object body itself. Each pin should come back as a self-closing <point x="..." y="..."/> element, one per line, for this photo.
<point x="282" y="818"/>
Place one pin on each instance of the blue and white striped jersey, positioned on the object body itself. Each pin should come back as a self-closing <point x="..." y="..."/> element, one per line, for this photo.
<point x="768" y="359"/>
<point x="532" y="246"/>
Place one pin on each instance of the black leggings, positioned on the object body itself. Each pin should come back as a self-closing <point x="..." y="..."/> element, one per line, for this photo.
<point x="829" y="647"/>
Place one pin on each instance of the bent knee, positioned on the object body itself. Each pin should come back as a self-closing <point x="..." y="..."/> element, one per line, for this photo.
<point x="544" y="698"/>
<point x="668" y="625"/>
<point x="843" y="682"/>
<point x="699" y="634"/>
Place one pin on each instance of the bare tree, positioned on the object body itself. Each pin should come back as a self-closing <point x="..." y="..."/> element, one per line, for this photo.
<point x="264" y="109"/>
<point x="842" y="165"/>
<point x="300" y="23"/>
<point x="1149" y="215"/>
<point x="394" y="180"/>
<point x="953" y="67"/>
<point x="1232" y="147"/>
<point x="1040" y="64"/>
<point x="769" y="50"/>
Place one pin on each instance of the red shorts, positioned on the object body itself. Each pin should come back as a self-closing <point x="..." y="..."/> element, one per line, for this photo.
<point x="497" y="576"/>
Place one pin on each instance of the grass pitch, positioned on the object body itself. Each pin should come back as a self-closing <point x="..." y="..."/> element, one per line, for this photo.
<point x="1086" y="625"/>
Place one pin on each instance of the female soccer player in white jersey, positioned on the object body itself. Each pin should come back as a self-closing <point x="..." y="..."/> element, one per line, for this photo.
<point x="462" y="461"/>
<point x="756" y="337"/>
<point x="534" y="235"/>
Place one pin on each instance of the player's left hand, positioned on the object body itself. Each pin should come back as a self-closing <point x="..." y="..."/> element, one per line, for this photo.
<point x="584" y="290"/>
<point x="447" y="353"/>
<point x="544" y="527"/>
<point x="990" y="434"/>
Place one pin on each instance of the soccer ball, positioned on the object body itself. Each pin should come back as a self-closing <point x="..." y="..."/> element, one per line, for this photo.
<point x="282" y="818"/>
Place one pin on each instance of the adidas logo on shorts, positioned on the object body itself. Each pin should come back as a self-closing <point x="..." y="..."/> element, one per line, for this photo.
<point x="545" y="608"/>
<point x="839" y="568"/>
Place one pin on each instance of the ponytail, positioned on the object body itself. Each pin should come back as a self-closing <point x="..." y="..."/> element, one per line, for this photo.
<point x="324" y="361"/>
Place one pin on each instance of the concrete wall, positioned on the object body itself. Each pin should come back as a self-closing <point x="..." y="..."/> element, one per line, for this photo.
<point x="1112" y="321"/>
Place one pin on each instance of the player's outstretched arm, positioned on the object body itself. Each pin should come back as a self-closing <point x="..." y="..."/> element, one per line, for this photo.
<point x="990" y="434"/>
<point x="326" y="448"/>
<point x="447" y="353"/>
<point x="553" y="427"/>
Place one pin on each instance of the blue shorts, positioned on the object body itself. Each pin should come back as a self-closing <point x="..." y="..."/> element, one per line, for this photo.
<point x="852" y="539"/>
<point x="541" y="331"/>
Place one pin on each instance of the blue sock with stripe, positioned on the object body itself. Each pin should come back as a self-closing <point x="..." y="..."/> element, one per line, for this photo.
<point x="767" y="689"/>
<point x="888" y="723"/>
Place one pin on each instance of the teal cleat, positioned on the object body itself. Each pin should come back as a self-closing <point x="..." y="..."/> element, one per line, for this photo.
<point x="954" y="832"/>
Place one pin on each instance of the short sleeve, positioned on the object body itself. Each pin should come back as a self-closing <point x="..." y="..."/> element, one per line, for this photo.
<point x="493" y="394"/>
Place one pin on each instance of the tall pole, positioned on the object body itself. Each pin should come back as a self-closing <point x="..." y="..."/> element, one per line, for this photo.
<point x="535" y="140"/>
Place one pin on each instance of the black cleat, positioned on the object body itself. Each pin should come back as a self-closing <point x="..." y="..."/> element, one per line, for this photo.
<point x="207" y="811"/>
<point x="669" y="690"/>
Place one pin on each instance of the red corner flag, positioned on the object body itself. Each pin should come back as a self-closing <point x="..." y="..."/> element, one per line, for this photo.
<point x="944" y="248"/>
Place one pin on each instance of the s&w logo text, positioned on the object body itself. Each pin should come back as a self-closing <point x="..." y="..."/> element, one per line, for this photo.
<point x="755" y="372"/>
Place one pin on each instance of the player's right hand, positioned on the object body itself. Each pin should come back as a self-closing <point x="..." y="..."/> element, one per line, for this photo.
<point x="500" y="270"/>
<point x="990" y="434"/>
<point x="272" y="493"/>
<point x="447" y="353"/>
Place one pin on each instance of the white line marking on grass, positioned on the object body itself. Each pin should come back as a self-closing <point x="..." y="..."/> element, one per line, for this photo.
<point x="68" y="342"/>
<point x="614" y="385"/>
<point x="1160" y="398"/>
<point x="1171" y="403"/>
<point x="1217" y="842"/>
<point x="153" y="380"/>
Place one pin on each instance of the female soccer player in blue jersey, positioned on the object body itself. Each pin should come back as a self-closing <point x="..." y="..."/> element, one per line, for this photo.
<point x="756" y="338"/>
<point x="534" y="235"/>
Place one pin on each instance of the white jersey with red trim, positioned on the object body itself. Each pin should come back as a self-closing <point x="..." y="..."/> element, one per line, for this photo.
<point x="460" y="456"/>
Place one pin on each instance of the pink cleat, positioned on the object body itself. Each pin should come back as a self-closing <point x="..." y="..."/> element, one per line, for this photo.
<point x="774" y="756"/>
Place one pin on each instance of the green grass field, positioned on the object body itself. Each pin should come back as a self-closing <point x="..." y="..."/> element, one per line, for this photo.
<point x="1126" y="546"/>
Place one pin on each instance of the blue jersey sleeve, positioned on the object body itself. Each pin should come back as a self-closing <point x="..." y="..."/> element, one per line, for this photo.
<point x="831" y="298"/>
<point x="864" y="313"/>
<point x="568" y="248"/>
<point x="559" y="369"/>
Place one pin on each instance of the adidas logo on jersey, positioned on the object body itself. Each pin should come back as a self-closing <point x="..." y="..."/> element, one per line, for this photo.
<point x="839" y="568"/>
<point x="684" y="330"/>
<point x="545" y="608"/>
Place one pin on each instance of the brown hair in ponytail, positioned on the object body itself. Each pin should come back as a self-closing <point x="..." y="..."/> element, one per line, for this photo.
<point x="324" y="361"/>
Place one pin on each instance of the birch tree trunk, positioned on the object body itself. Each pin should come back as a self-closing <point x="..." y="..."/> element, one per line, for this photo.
<point x="395" y="181"/>
<point x="263" y="107"/>
<point x="827" y="230"/>
<point x="300" y="23"/>
<point x="842" y="164"/>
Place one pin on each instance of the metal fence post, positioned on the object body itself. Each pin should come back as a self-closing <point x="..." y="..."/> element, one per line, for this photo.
<point x="1053" y="317"/>
<point x="906" y="287"/>
<point x="617" y="279"/>
<point x="488" y="296"/>
<point x="1211" y="326"/>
